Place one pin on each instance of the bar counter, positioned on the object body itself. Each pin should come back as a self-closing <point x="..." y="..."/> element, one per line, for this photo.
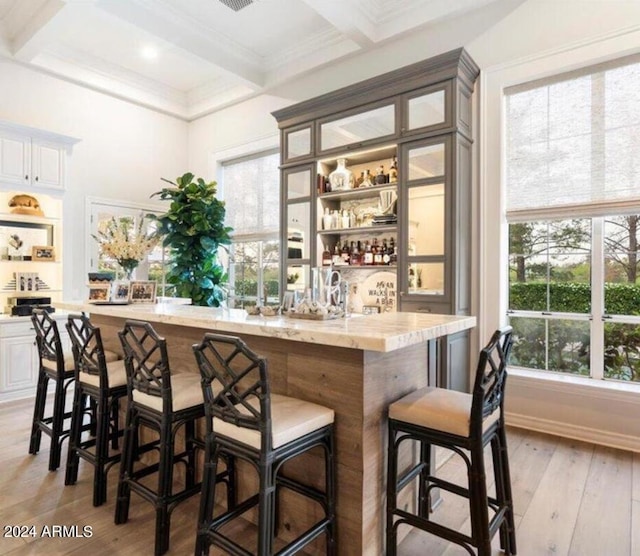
<point x="357" y="366"/>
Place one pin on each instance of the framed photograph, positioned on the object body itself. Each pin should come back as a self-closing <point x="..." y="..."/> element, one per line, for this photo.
<point x="120" y="291"/>
<point x="43" y="253"/>
<point x="370" y="309"/>
<point x="27" y="282"/>
<point x="142" y="292"/>
<point x="99" y="293"/>
<point x="20" y="237"/>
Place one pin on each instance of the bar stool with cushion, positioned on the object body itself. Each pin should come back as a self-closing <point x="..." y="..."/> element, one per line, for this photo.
<point x="164" y="402"/>
<point x="105" y="384"/>
<point x="465" y="424"/>
<point x="246" y="421"/>
<point x="55" y="364"/>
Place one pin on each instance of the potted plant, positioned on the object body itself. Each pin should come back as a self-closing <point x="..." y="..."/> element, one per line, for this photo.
<point x="193" y="229"/>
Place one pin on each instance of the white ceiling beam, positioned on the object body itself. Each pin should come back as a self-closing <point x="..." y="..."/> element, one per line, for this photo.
<point x="158" y="19"/>
<point x="347" y="18"/>
<point x="31" y="37"/>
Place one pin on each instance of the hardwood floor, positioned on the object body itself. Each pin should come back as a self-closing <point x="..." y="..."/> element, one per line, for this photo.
<point x="571" y="498"/>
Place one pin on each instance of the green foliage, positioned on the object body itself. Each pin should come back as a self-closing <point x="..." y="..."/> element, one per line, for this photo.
<point x="249" y="288"/>
<point x="193" y="229"/>
<point x="564" y="345"/>
<point x="572" y="297"/>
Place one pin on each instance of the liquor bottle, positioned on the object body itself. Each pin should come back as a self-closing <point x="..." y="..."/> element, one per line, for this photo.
<point x="368" y="254"/>
<point x="336" y="259"/>
<point x="393" y="170"/>
<point x="367" y="182"/>
<point x="359" y="180"/>
<point x="345" y="218"/>
<point x="386" y="255"/>
<point x="393" y="256"/>
<point x="380" y="177"/>
<point x="345" y="254"/>
<point x="326" y="256"/>
<point x="326" y="219"/>
<point x="377" y="252"/>
<point x="355" y="259"/>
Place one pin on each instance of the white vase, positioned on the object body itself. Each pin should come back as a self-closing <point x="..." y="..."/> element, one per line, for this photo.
<point x="341" y="178"/>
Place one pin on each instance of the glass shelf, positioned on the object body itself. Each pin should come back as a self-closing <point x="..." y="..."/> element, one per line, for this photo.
<point x="359" y="193"/>
<point x="361" y="230"/>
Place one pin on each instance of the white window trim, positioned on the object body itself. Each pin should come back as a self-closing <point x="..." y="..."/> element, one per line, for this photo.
<point x="492" y="287"/>
<point x="91" y="246"/>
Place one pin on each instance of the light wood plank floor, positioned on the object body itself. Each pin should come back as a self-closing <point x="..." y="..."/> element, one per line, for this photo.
<point x="571" y="498"/>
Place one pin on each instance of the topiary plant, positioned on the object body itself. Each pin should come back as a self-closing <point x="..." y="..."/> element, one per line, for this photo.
<point x="193" y="229"/>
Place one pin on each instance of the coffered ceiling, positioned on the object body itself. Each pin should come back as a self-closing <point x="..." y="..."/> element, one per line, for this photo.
<point x="190" y="57"/>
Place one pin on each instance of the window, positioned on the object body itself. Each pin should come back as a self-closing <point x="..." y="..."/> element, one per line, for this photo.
<point x="151" y="268"/>
<point x="251" y="190"/>
<point x="573" y="204"/>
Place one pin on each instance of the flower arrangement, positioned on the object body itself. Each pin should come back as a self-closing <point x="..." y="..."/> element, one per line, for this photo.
<point x="126" y="243"/>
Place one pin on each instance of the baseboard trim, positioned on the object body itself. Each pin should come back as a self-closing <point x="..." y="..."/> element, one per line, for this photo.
<point x="575" y="432"/>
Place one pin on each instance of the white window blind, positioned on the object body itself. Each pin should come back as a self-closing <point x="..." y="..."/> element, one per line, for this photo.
<point x="252" y="195"/>
<point x="573" y="143"/>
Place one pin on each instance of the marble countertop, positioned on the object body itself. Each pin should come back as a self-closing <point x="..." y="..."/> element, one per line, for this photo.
<point x="379" y="332"/>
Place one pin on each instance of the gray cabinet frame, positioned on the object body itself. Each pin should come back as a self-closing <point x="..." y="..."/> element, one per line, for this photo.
<point x="455" y="73"/>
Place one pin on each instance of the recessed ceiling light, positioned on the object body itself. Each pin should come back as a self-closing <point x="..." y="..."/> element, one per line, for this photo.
<point x="149" y="52"/>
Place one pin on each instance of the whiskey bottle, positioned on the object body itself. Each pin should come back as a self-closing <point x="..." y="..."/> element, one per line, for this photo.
<point x="386" y="256"/>
<point x="336" y="259"/>
<point x="355" y="259"/>
<point x="377" y="252"/>
<point x="368" y="254"/>
<point x="326" y="256"/>
<point x="345" y="254"/>
<point x="380" y="177"/>
<point x="359" y="180"/>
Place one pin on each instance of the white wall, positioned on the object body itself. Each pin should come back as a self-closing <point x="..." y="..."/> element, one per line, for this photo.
<point x="123" y="151"/>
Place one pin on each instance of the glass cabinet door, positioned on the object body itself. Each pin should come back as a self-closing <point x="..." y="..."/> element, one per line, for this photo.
<point x="427" y="108"/>
<point x="358" y="128"/>
<point x="297" y="143"/>
<point x="298" y="184"/>
<point x="425" y="228"/>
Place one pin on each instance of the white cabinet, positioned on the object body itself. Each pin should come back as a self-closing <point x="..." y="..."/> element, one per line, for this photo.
<point x="32" y="158"/>
<point x="19" y="356"/>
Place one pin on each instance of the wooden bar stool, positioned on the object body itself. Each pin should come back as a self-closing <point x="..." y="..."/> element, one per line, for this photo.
<point x="244" y="420"/>
<point x="163" y="402"/>
<point x="58" y="365"/>
<point x="105" y="384"/>
<point x="465" y="424"/>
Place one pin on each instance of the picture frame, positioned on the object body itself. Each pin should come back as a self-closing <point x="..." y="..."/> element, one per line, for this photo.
<point x="120" y="291"/>
<point x="370" y="309"/>
<point x="43" y="253"/>
<point x="99" y="293"/>
<point x="27" y="282"/>
<point x="142" y="291"/>
<point x="30" y="234"/>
